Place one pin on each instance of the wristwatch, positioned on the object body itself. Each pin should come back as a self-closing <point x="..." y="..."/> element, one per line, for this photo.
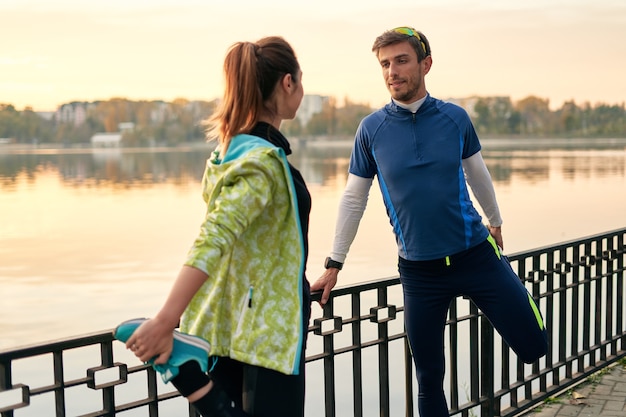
<point x="329" y="263"/>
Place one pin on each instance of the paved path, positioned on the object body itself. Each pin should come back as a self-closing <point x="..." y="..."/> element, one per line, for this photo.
<point x="604" y="396"/>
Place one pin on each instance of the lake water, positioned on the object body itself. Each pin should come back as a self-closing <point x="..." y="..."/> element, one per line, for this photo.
<point x="89" y="238"/>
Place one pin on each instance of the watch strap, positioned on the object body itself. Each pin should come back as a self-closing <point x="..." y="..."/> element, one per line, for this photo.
<point x="329" y="263"/>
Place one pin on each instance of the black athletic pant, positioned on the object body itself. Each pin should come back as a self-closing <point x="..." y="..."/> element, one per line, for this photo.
<point x="260" y="392"/>
<point x="486" y="277"/>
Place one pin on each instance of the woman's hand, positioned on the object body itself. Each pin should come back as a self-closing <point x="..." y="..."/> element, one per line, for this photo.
<point x="153" y="339"/>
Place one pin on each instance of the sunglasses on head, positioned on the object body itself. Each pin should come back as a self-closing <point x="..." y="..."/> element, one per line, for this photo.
<point x="411" y="32"/>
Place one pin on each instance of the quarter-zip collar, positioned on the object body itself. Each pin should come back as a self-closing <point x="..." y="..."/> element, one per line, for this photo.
<point x="393" y="107"/>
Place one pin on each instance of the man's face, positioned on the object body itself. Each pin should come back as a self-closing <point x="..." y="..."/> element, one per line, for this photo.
<point x="404" y="76"/>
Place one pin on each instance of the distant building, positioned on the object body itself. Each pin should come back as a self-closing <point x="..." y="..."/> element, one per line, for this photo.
<point x="74" y="113"/>
<point x="468" y="103"/>
<point x="158" y="114"/>
<point x="47" y="115"/>
<point x="311" y="104"/>
<point x="106" y="140"/>
<point x="126" y="127"/>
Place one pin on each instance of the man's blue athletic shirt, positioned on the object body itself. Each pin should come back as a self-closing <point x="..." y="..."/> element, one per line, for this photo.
<point x="417" y="158"/>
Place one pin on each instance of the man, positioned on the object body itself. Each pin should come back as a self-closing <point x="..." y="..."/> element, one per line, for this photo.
<point x="424" y="152"/>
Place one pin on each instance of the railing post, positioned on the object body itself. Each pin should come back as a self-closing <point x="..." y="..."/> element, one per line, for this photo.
<point x="588" y="314"/>
<point x="408" y="381"/>
<point x="487" y="408"/>
<point x="329" y="365"/>
<point x="108" y="393"/>
<point x="59" y="384"/>
<point x="383" y="358"/>
<point x="5" y="383"/>
<point x="621" y="249"/>
<point x="575" y="320"/>
<point x="453" y="360"/>
<point x="564" y="268"/>
<point x="357" y="358"/>
<point x="474" y="352"/>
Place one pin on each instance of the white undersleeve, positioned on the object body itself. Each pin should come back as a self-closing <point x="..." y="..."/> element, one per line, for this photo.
<point x="479" y="180"/>
<point x="351" y="208"/>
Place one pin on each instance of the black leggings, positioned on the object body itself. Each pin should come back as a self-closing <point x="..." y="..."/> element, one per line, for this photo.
<point x="487" y="278"/>
<point x="258" y="391"/>
<point x="261" y="392"/>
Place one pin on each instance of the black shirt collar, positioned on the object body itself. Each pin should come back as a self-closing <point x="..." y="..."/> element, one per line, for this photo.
<point x="272" y="135"/>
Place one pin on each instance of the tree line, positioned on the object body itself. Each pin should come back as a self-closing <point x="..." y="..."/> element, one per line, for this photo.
<point x="180" y="121"/>
<point x="153" y="122"/>
<point x="532" y="117"/>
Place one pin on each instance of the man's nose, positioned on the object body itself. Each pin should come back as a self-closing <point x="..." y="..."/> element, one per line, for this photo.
<point x="392" y="70"/>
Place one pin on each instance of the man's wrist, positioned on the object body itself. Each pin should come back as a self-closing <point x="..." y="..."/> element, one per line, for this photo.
<point x="330" y="263"/>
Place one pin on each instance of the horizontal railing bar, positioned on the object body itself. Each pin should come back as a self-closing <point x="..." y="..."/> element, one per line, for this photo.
<point x="565" y="245"/>
<point x="48" y="347"/>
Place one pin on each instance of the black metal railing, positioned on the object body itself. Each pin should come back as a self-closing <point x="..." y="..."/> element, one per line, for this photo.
<point x="357" y="355"/>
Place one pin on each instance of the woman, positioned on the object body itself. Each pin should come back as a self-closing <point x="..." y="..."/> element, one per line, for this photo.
<point x="243" y="287"/>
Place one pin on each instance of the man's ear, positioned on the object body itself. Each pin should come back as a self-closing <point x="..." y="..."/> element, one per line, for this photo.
<point x="428" y="62"/>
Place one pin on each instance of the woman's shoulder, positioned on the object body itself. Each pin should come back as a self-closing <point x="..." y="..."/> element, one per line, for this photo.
<point x="245" y="145"/>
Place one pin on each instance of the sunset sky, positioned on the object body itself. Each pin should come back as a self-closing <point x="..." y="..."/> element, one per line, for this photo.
<point x="57" y="51"/>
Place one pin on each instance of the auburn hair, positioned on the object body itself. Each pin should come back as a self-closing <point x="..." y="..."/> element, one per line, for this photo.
<point x="251" y="72"/>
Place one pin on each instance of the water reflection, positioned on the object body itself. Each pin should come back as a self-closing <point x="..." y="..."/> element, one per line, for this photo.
<point x="321" y="163"/>
<point x="103" y="167"/>
<point x="534" y="166"/>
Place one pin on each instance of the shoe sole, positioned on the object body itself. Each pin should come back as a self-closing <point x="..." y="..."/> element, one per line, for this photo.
<point x="194" y="341"/>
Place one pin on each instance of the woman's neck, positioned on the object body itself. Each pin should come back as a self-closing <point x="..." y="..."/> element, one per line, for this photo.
<point x="270" y="118"/>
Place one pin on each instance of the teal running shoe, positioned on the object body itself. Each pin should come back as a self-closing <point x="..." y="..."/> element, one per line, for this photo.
<point x="186" y="348"/>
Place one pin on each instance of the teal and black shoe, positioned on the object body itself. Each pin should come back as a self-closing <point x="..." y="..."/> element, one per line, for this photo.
<point x="186" y="348"/>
